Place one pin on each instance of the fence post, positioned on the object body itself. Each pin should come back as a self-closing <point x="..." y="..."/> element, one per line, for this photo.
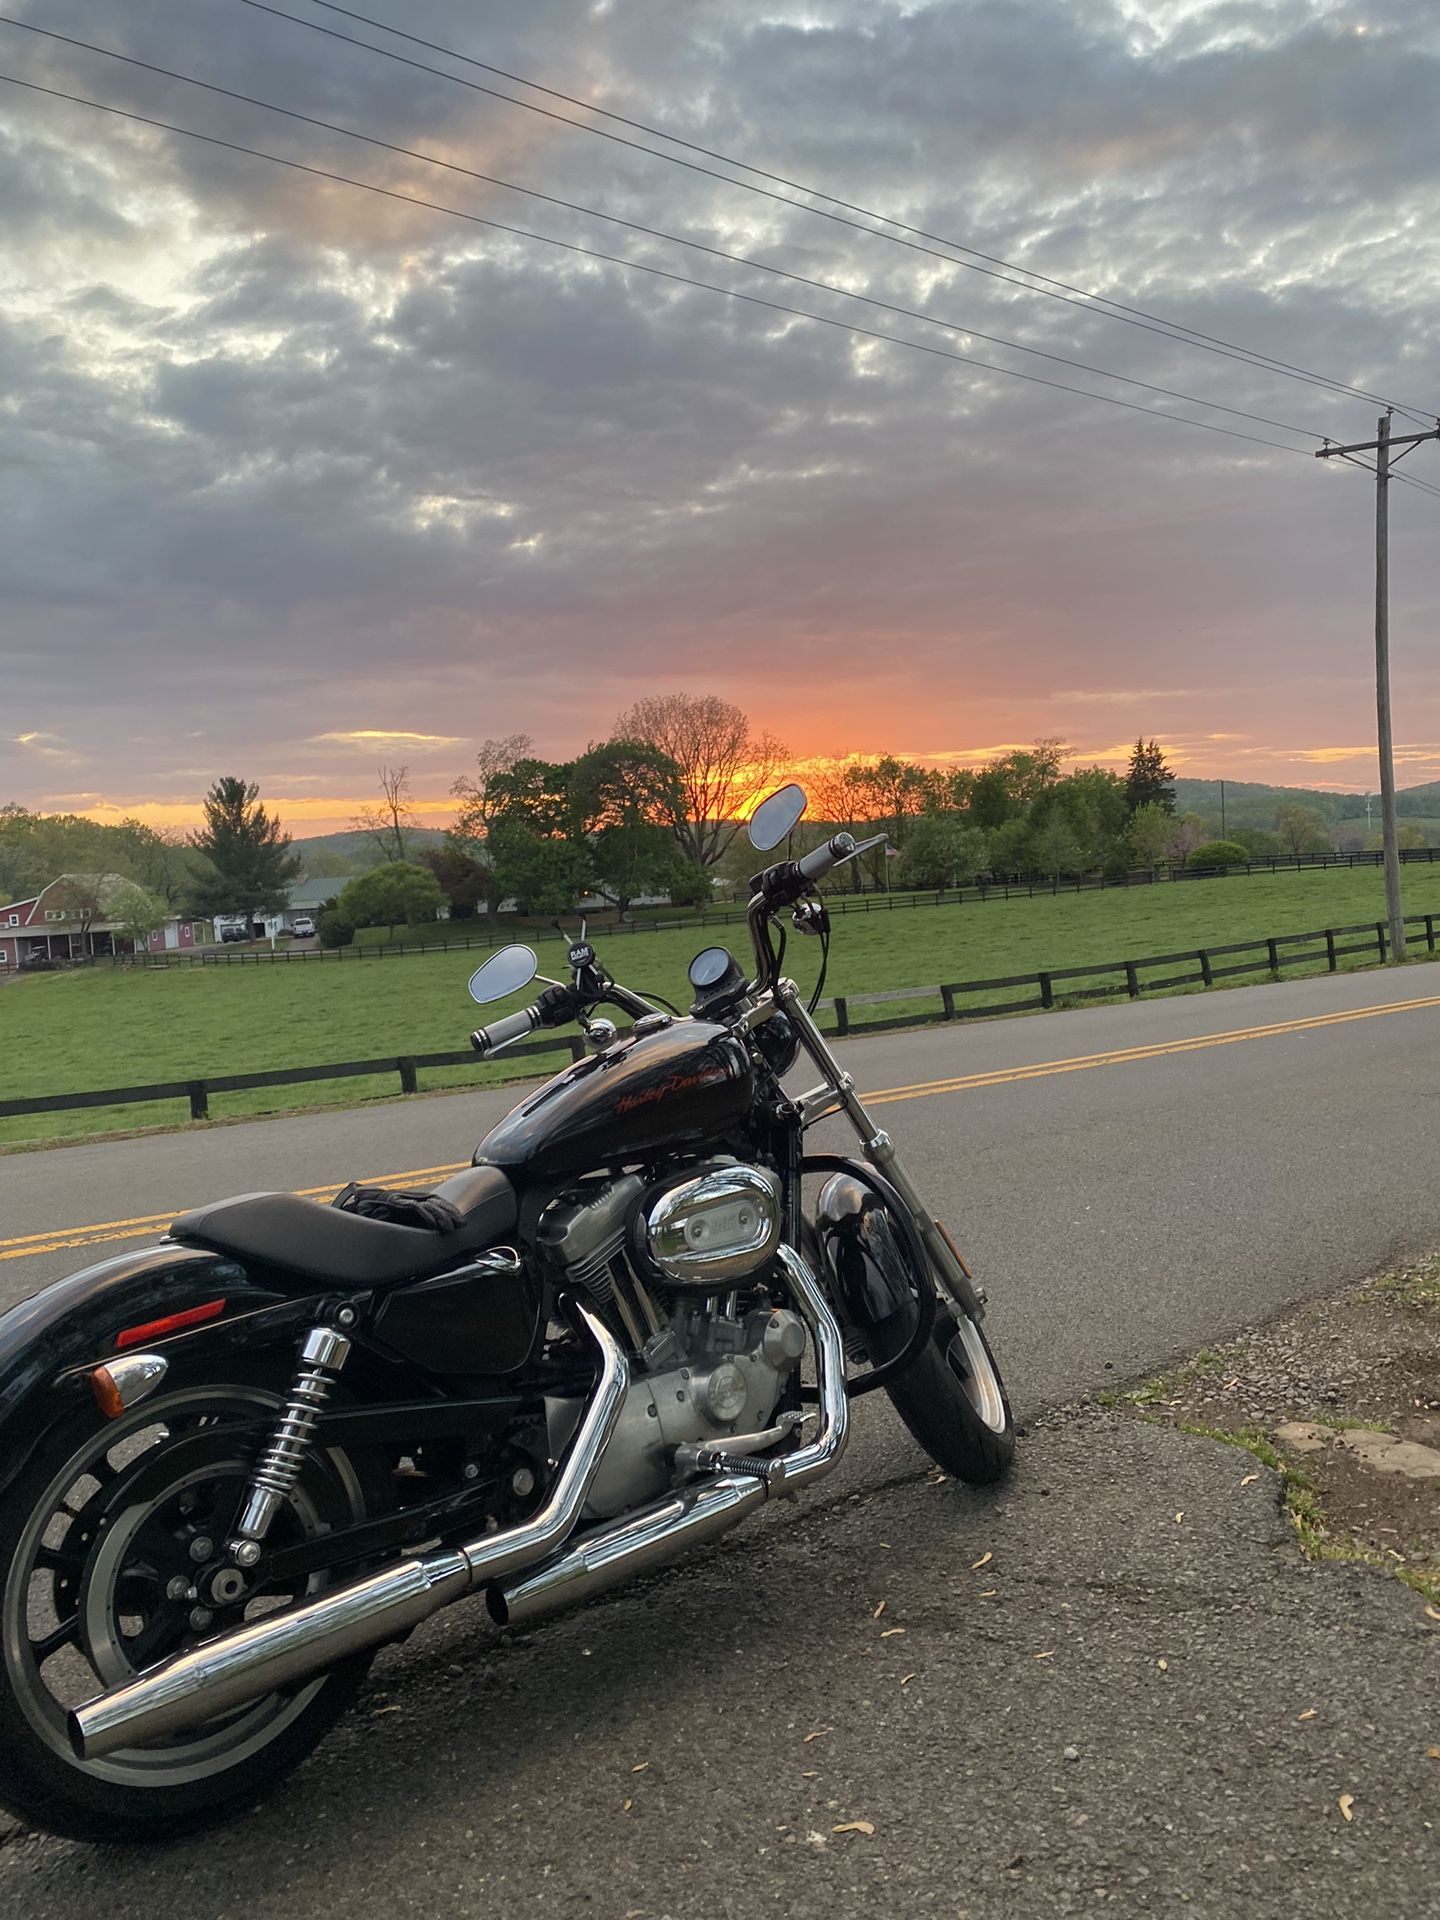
<point x="1430" y="931"/>
<point x="1132" y="983"/>
<point x="947" y="1000"/>
<point x="577" y="1047"/>
<point x="1207" y="978"/>
<point x="406" y="1070"/>
<point x="1047" y="990"/>
<point x="1331" y="961"/>
<point x="199" y="1100"/>
<point x="1274" y="953"/>
<point x="1380" y="939"/>
<point x="842" y="1015"/>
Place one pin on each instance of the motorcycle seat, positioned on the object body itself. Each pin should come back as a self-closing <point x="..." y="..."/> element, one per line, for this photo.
<point x="314" y="1242"/>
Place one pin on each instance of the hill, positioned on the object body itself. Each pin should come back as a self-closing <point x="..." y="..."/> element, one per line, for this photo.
<point x="327" y="855"/>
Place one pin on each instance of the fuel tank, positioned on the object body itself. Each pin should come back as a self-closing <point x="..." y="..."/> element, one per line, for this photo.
<point x="681" y="1087"/>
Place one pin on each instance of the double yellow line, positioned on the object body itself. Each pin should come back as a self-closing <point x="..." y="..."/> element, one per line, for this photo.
<point x="58" y="1239"/>
<point x="146" y="1225"/>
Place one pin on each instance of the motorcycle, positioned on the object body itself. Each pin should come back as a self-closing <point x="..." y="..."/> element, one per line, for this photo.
<point x="237" y="1463"/>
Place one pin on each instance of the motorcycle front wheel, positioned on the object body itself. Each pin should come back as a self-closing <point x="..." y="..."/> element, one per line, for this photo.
<point x="953" y="1401"/>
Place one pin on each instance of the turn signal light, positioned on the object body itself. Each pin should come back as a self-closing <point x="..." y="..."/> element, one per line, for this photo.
<point x="121" y="1384"/>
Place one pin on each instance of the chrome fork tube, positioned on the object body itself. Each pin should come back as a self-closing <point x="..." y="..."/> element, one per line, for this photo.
<point x="285" y="1648"/>
<point x="880" y="1150"/>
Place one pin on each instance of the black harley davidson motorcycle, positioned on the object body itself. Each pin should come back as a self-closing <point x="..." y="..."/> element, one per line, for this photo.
<point x="235" y="1464"/>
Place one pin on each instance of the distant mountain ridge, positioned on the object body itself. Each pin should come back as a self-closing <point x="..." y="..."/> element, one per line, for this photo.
<point x="1250" y="803"/>
<point x="351" y="851"/>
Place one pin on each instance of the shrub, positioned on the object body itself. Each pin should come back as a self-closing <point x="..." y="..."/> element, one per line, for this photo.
<point x="333" y="931"/>
<point x="1217" y="853"/>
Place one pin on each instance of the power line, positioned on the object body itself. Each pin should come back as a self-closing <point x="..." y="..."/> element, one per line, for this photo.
<point x="1050" y="288"/>
<point x="659" y="233"/>
<point x="641" y="266"/>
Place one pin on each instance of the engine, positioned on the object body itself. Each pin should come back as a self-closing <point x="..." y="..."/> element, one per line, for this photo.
<point x="710" y="1363"/>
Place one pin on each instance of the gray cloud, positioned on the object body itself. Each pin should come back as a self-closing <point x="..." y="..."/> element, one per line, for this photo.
<point x="285" y="460"/>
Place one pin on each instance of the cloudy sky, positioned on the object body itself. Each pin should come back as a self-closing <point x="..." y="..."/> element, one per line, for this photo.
<point x="295" y="477"/>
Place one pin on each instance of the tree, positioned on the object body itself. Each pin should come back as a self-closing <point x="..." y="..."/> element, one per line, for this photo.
<point x="83" y="898"/>
<point x="482" y="796"/>
<point x="393" y="819"/>
<point x="249" y="862"/>
<point x="397" y="894"/>
<point x="1301" y="830"/>
<point x="543" y="872"/>
<point x="1149" y="780"/>
<point x="1407" y="837"/>
<point x="1147" y="834"/>
<point x="623" y="795"/>
<point x="1186" y="834"/>
<point x="136" y="911"/>
<point x="157" y="858"/>
<point x="463" y="879"/>
<point x="721" y="763"/>
<point x="941" y="851"/>
<point x="1258" y="844"/>
<point x="1054" y="845"/>
<point x="892" y="792"/>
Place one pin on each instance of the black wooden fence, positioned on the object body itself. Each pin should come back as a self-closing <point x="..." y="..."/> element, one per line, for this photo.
<point x="1055" y="988"/>
<point x="485" y="937"/>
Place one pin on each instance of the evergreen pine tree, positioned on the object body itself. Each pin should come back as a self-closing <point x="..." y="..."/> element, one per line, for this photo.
<point x="1149" y="782"/>
<point x="250" y="864"/>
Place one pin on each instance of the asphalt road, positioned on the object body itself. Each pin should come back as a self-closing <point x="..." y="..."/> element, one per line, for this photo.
<point x="1133" y="1181"/>
<point x="1119" y="1212"/>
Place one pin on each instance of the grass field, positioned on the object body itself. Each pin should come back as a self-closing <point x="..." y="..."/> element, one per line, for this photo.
<point x="71" y="1032"/>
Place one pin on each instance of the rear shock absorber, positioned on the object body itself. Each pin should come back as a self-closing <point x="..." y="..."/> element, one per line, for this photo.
<point x="321" y="1358"/>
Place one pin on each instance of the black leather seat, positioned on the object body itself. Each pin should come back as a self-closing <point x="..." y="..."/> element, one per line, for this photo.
<point x="325" y="1244"/>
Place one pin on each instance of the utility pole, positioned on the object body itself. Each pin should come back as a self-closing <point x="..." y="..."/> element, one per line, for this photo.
<point x="1381" y="447"/>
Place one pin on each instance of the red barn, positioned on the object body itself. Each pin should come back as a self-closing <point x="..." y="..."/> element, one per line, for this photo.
<point x="68" y="919"/>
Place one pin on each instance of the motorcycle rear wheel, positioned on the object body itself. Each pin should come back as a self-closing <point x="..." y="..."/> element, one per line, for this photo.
<point x="954" y="1403"/>
<point x="94" y="1541"/>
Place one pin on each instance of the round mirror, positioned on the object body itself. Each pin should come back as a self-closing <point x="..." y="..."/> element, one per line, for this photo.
<point x="504" y="973"/>
<point x="709" y="967"/>
<point x="776" y="817"/>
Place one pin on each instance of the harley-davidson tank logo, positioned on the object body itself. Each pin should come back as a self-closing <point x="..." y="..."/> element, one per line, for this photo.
<point x="666" y="1089"/>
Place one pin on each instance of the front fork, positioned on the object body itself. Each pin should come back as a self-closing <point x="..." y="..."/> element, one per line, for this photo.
<point x="838" y="1095"/>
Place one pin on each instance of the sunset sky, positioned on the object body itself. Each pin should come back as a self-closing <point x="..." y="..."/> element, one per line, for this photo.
<point x="295" y="479"/>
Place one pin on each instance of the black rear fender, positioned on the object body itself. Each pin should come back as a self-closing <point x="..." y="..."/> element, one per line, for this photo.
<point x="51" y="1342"/>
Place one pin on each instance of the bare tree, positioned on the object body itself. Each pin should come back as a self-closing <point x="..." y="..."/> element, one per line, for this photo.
<point x="722" y="764"/>
<point x="480" y="793"/>
<point x="389" y="823"/>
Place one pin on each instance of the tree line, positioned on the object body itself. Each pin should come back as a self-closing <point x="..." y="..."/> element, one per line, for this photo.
<point x="654" y="810"/>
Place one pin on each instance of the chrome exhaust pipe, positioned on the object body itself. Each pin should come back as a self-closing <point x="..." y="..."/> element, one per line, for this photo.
<point x="283" y="1648"/>
<point x="646" y="1541"/>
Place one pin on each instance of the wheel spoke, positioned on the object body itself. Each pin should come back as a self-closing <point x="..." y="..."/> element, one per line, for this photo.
<point x="57" y="1560"/>
<point x="65" y="1635"/>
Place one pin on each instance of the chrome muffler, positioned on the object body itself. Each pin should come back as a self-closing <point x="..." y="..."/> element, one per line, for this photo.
<point x="646" y="1541"/>
<point x="235" y="1668"/>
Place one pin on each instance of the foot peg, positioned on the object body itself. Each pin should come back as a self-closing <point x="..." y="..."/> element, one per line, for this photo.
<point x="691" y="1459"/>
<point x="746" y="1457"/>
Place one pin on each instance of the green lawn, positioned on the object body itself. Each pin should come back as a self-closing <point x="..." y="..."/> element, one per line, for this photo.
<point x="70" y="1032"/>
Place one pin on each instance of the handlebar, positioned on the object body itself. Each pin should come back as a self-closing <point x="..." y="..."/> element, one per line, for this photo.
<point x="500" y="1033"/>
<point x="816" y="864"/>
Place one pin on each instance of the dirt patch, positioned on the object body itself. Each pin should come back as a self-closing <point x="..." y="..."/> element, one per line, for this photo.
<point x="1342" y="1398"/>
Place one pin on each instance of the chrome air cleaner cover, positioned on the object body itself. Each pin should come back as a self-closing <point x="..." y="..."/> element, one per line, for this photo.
<point x="715" y="1228"/>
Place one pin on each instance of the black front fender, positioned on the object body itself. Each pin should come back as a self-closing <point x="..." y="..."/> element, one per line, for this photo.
<point x="47" y="1341"/>
<point x="877" y="1266"/>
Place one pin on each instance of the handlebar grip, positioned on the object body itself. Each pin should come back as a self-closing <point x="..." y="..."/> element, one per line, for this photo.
<point x="513" y="1027"/>
<point x="815" y="865"/>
